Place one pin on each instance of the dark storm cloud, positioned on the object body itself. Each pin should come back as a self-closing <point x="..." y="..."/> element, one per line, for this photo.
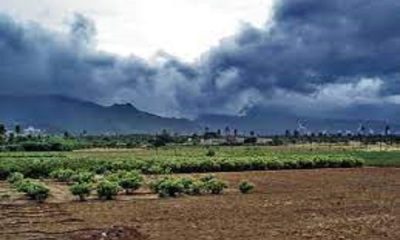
<point x="312" y="43"/>
<point x="312" y="49"/>
<point x="34" y="60"/>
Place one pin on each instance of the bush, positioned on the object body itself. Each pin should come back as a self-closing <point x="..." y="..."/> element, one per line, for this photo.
<point x="23" y="185"/>
<point x="83" y="177"/>
<point x="245" y="187"/>
<point x="168" y="187"/>
<point x="82" y="190"/>
<point x="107" y="190"/>
<point x="207" y="178"/>
<point x="62" y="175"/>
<point x="130" y="182"/>
<point x="35" y="191"/>
<point x="215" y="186"/>
<point x="186" y="182"/>
<point x="210" y="153"/>
<point x="15" y="177"/>
<point x="196" y="188"/>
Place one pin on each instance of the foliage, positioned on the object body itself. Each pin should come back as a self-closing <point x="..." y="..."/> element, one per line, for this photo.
<point x="23" y="185"/>
<point x="207" y="178"/>
<point x="210" y="153"/>
<point x="168" y="187"/>
<point x="215" y="186"/>
<point x="245" y="187"/>
<point x="35" y="191"/>
<point x="195" y="188"/>
<point x="82" y="190"/>
<point x="130" y="181"/>
<point x="62" y="175"/>
<point x="107" y="190"/>
<point x="170" y="160"/>
<point x="175" y="186"/>
<point x="15" y="177"/>
<point x="83" y="177"/>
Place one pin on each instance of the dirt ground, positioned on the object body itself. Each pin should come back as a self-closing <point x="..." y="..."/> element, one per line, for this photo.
<point x="315" y="204"/>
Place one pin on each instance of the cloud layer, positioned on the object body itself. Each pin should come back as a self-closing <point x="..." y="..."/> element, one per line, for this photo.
<point x="315" y="55"/>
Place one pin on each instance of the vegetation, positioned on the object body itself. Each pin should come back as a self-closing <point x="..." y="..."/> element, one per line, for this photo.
<point x="83" y="177"/>
<point x="107" y="190"/>
<point x="168" y="187"/>
<point x="245" y="187"/>
<point x="379" y="158"/>
<point x="82" y="190"/>
<point x="215" y="186"/>
<point x="182" y="160"/>
<point x="175" y="186"/>
<point x="130" y="181"/>
<point x="210" y="153"/>
<point x="15" y="177"/>
<point x="62" y="175"/>
<point x="35" y="191"/>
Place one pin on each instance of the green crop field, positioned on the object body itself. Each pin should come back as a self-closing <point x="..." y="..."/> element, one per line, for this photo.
<point x="190" y="159"/>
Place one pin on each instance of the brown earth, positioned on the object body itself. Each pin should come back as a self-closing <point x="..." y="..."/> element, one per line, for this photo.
<point x="315" y="204"/>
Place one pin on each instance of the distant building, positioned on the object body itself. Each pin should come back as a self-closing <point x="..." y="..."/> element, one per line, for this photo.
<point x="213" y="141"/>
<point x="264" y="141"/>
<point x="31" y="131"/>
<point x="211" y="135"/>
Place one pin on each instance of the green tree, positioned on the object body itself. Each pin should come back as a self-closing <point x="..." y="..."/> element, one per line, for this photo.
<point x="2" y="133"/>
<point x="2" y="129"/>
<point x="18" y="129"/>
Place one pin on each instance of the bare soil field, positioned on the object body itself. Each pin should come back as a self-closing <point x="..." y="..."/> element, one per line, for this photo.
<point x="308" y="204"/>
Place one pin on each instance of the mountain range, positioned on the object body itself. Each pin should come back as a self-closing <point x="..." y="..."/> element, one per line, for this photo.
<point x="56" y="114"/>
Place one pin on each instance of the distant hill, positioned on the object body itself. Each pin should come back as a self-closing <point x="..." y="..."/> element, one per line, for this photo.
<point x="277" y="120"/>
<point x="58" y="113"/>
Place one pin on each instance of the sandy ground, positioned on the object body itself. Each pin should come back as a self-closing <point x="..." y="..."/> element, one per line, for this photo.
<point x="312" y="204"/>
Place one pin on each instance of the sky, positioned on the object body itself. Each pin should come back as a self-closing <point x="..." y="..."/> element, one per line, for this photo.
<point x="186" y="58"/>
<point x="144" y="27"/>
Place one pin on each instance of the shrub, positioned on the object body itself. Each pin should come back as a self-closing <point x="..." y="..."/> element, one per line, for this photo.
<point x="186" y="182"/>
<point x="113" y="177"/>
<point x="107" y="190"/>
<point x="23" y="185"/>
<point x="130" y="182"/>
<point x="245" y="187"/>
<point x="62" y="175"/>
<point x="210" y="153"/>
<point x="82" y="190"/>
<point x="215" y="186"/>
<point x="35" y="191"/>
<point x="274" y="165"/>
<point x="15" y="177"/>
<point x="83" y="177"/>
<point x="207" y="178"/>
<point x="168" y="187"/>
<point x="196" y="188"/>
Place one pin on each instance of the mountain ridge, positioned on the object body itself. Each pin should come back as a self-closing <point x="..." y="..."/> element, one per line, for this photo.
<point x="56" y="113"/>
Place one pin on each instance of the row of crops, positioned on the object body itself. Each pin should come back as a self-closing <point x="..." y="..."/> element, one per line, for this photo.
<point x="107" y="187"/>
<point x="42" y="167"/>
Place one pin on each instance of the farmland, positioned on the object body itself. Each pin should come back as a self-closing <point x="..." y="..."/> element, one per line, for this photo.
<point x="299" y="193"/>
<point x="173" y="160"/>
<point x="303" y="204"/>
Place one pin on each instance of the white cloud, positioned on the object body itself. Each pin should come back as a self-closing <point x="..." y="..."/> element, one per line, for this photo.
<point x="184" y="28"/>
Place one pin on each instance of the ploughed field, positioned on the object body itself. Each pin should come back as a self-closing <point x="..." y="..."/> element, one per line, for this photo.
<point x="356" y="203"/>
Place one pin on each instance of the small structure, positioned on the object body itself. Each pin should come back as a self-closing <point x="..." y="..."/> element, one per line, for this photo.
<point x="31" y="131"/>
